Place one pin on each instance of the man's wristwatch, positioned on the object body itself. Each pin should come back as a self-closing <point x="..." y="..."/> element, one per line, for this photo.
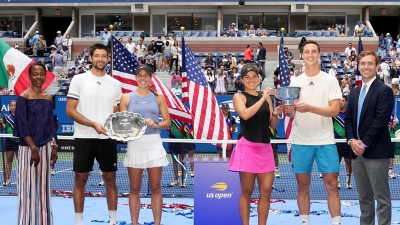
<point x="349" y="142"/>
<point x="157" y="125"/>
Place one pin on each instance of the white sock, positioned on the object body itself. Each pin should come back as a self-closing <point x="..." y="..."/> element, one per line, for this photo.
<point x="336" y="220"/>
<point x="305" y="219"/>
<point x="79" y="218"/>
<point x="113" y="217"/>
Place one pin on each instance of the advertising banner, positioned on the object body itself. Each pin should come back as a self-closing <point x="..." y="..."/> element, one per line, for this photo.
<point x="216" y="194"/>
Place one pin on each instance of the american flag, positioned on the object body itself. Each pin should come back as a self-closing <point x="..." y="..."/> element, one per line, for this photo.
<point x="358" y="74"/>
<point x="285" y="81"/>
<point x="283" y="68"/>
<point x="124" y="68"/>
<point x="208" y="120"/>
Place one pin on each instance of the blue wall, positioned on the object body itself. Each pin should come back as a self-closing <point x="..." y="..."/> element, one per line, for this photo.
<point x="66" y="124"/>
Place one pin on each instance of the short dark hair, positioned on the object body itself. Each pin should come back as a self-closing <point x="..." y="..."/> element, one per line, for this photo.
<point x="37" y="63"/>
<point x="311" y="42"/>
<point x="97" y="46"/>
<point x="248" y="46"/>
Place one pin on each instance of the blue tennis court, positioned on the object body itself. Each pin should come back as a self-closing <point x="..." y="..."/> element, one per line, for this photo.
<point x="282" y="211"/>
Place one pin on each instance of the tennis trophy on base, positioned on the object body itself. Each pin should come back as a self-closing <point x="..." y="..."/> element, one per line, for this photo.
<point x="287" y="95"/>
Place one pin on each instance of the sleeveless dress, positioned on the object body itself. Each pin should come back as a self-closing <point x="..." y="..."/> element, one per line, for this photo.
<point x="147" y="151"/>
<point x="220" y="85"/>
<point x="346" y="89"/>
<point x="253" y="152"/>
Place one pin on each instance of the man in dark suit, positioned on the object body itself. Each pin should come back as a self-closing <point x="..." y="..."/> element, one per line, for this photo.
<point x="366" y="123"/>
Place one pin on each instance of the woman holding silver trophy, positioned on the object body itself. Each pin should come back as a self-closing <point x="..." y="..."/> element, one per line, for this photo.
<point x="253" y="155"/>
<point x="146" y="152"/>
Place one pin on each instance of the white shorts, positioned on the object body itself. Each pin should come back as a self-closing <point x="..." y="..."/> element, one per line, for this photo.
<point x="395" y="80"/>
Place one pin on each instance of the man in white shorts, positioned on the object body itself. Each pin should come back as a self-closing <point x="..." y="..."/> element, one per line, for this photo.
<point x="312" y="132"/>
<point x="92" y="97"/>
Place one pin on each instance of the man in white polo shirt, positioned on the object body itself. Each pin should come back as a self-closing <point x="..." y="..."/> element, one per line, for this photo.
<point x="312" y="132"/>
<point x="92" y="97"/>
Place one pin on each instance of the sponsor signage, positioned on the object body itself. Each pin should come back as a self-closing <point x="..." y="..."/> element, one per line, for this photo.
<point x="216" y="194"/>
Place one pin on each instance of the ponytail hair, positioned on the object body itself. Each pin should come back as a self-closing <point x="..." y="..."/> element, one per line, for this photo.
<point x="152" y="90"/>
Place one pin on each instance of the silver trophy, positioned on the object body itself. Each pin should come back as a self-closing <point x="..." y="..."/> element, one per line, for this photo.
<point x="125" y="126"/>
<point x="287" y="95"/>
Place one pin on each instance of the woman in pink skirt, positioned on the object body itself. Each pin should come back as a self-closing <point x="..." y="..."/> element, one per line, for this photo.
<point x="253" y="156"/>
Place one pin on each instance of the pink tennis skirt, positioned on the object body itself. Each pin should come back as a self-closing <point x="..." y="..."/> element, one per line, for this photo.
<point x="252" y="157"/>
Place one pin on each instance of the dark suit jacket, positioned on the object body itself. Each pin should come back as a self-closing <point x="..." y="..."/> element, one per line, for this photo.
<point x="374" y="120"/>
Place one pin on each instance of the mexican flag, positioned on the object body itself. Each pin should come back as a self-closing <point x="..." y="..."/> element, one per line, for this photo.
<point x="14" y="66"/>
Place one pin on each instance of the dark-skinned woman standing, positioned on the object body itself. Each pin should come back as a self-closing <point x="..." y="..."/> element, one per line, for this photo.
<point x="34" y="126"/>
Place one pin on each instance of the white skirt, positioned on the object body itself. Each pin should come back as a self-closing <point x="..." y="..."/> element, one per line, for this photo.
<point x="395" y="80"/>
<point x="146" y="152"/>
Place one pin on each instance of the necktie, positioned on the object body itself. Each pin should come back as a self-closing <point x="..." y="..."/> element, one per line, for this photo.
<point x="360" y="104"/>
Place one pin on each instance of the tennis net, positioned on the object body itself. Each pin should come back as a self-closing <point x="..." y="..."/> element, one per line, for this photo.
<point x="284" y="187"/>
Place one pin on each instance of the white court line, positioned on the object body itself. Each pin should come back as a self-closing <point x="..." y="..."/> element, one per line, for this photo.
<point x="60" y="171"/>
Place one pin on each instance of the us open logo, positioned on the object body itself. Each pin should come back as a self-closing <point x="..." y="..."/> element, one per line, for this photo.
<point x="221" y="187"/>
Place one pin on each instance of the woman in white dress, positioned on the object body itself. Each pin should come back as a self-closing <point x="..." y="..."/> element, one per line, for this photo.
<point x="394" y="74"/>
<point x="345" y="85"/>
<point x="68" y="43"/>
<point x="147" y="152"/>
<point x="220" y="83"/>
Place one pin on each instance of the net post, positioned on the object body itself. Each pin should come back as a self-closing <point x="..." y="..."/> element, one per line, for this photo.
<point x="3" y="154"/>
<point x="224" y="150"/>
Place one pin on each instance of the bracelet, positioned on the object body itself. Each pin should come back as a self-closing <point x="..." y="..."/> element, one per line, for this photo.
<point x="33" y="147"/>
<point x="53" y="143"/>
<point x="274" y="115"/>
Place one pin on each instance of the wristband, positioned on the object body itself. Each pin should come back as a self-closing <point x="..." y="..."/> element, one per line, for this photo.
<point x="156" y="124"/>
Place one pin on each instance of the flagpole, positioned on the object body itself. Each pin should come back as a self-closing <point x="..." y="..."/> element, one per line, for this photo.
<point x="111" y="50"/>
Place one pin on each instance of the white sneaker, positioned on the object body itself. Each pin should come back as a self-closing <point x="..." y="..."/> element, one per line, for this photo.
<point x="348" y="186"/>
<point x="179" y="173"/>
<point x="277" y="175"/>
<point x="391" y="175"/>
<point x="53" y="172"/>
<point x="183" y="184"/>
<point x="174" y="183"/>
<point x="101" y="183"/>
<point x="338" y="184"/>
<point x="7" y="183"/>
<point x="320" y="175"/>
